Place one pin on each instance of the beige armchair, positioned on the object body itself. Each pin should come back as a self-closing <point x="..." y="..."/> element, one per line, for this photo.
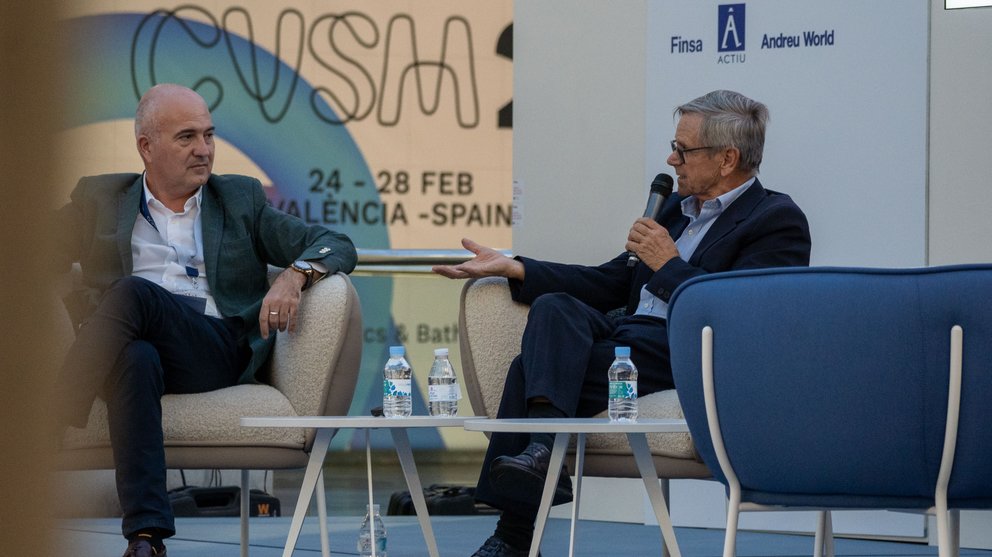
<point x="313" y="373"/>
<point x="491" y="325"/>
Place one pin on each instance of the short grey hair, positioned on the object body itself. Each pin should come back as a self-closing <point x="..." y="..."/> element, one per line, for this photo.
<point x="145" y="120"/>
<point x="731" y="120"/>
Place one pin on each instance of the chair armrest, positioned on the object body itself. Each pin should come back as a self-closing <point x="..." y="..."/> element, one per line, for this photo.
<point x="316" y="367"/>
<point x="490" y="325"/>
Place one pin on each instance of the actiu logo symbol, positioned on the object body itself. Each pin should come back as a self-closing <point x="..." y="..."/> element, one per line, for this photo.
<point x="731" y="26"/>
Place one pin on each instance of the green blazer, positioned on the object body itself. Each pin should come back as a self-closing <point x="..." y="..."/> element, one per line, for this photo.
<point x="242" y="235"/>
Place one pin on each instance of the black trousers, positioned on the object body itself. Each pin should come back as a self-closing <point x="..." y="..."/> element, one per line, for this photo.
<point x="566" y="350"/>
<point x="140" y="343"/>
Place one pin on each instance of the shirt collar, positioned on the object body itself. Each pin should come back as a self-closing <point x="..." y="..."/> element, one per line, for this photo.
<point x="691" y="206"/>
<point x="197" y="198"/>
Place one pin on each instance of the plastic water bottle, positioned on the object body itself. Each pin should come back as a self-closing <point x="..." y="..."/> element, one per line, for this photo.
<point x="442" y="386"/>
<point x="623" y="387"/>
<point x="397" y="385"/>
<point x="365" y="537"/>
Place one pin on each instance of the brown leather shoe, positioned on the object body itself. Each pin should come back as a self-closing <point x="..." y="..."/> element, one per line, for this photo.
<point x="141" y="548"/>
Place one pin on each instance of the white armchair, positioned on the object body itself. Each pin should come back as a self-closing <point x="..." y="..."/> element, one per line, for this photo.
<point x="491" y="325"/>
<point x="313" y="373"/>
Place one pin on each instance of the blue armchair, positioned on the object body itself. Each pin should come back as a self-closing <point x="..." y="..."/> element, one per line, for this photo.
<point x="829" y="388"/>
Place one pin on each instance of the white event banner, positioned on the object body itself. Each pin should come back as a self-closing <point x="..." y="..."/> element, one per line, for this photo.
<point x="845" y="82"/>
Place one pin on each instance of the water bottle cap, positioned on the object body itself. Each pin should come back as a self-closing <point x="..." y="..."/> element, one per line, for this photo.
<point x="623" y="351"/>
<point x="397" y="351"/>
<point x="441" y="352"/>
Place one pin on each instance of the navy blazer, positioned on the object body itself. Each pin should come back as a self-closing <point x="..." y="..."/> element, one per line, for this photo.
<point x="761" y="228"/>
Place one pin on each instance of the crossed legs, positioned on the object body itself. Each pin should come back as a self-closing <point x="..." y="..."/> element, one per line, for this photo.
<point x="566" y="350"/>
<point x="140" y="343"/>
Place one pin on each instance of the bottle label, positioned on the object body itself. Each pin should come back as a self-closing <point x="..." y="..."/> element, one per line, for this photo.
<point x="623" y="389"/>
<point x="397" y="387"/>
<point x="365" y="547"/>
<point x="443" y="393"/>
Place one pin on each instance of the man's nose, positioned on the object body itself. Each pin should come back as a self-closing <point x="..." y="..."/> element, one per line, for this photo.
<point x="201" y="147"/>
<point x="673" y="159"/>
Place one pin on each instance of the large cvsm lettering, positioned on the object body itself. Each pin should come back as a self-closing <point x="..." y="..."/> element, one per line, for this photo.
<point x="340" y="43"/>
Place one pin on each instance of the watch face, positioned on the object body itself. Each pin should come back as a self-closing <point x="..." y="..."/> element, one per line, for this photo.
<point x="302" y="265"/>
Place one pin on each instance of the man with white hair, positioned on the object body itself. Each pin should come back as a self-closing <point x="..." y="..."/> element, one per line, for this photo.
<point x="722" y="219"/>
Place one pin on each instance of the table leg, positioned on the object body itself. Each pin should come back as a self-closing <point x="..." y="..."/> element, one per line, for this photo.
<point x="580" y="457"/>
<point x="402" y="443"/>
<point x="371" y="512"/>
<point x="325" y="544"/>
<point x="642" y="455"/>
<point x="550" y="483"/>
<point x="321" y="442"/>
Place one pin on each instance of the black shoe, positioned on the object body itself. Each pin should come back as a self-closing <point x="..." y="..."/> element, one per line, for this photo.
<point x="495" y="547"/>
<point x="142" y="548"/>
<point x="521" y="477"/>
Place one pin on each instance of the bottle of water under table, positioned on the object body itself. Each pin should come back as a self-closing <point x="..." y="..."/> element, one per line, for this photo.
<point x="365" y="536"/>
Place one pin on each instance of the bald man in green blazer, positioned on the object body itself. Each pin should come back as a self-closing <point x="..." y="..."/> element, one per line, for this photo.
<point x="175" y="295"/>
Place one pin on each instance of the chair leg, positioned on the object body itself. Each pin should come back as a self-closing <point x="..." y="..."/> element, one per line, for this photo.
<point x="733" y="516"/>
<point x="828" y="541"/>
<point x="954" y="527"/>
<point x="730" y="538"/>
<point x="948" y="532"/>
<point x="824" y="539"/>
<point x="245" y="512"/>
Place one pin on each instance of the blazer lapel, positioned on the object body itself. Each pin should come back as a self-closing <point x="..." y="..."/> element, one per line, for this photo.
<point x="212" y="226"/>
<point x="127" y="212"/>
<point x="729" y="219"/>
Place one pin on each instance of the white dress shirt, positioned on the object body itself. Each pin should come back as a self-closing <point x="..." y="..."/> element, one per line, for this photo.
<point x="168" y="250"/>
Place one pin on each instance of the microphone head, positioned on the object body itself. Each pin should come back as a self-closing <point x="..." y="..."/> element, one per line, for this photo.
<point x="662" y="184"/>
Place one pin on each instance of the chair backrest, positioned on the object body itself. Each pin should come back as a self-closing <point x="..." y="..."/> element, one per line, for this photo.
<point x="831" y="384"/>
<point x="491" y="326"/>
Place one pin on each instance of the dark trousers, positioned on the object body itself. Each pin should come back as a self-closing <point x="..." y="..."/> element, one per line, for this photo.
<point x="566" y="350"/>
<point x="140" y="343"/>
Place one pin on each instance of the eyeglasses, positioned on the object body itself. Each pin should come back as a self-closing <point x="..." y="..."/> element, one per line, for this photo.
<point x="682" y="152"/>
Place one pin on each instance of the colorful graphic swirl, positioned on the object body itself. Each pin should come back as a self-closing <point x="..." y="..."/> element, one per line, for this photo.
<point x="260" y="105"/>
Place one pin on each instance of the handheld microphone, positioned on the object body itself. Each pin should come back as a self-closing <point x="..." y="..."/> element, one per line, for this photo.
<point x="661" y="188"/>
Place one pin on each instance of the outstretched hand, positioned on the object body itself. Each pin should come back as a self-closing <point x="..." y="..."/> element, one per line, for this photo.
<point x="486" y="263"/>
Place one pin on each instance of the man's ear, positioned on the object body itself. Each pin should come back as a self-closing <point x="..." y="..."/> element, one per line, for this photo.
<point x="144" y="147"/>
<point x="731" y="158"/>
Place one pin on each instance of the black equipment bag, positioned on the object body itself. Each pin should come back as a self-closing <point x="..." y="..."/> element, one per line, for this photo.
<point x="194" y="501"/>
<point x="441" y="500"/>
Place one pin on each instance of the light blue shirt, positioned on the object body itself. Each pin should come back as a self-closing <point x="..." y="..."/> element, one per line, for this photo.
<point x="700" y="221"/>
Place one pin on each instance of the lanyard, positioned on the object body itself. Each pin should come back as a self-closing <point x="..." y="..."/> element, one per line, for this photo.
<point x="143" y="209"/>
<point x="192" y="272"/>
